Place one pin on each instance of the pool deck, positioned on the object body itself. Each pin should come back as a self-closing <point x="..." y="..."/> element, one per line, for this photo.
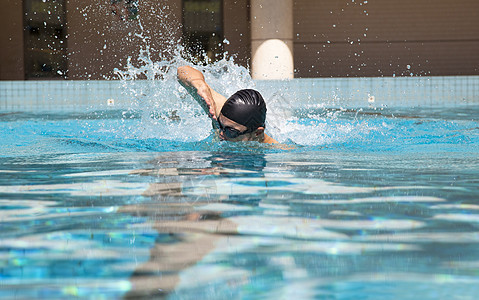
<point x="62" y="95"/>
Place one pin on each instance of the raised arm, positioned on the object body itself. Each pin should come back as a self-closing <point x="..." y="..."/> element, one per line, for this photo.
<point x="194" y="82"/>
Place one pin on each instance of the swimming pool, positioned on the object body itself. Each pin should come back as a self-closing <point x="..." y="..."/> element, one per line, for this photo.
<point x="372" y="201"/>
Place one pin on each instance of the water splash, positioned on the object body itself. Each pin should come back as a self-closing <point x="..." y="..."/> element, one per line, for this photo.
<point x="168" y="112"/>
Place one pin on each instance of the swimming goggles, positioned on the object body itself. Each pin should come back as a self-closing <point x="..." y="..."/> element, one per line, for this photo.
<point x="231" y="132"/>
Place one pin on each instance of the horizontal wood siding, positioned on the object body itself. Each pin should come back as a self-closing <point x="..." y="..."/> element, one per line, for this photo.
<point x="341" y="38"/>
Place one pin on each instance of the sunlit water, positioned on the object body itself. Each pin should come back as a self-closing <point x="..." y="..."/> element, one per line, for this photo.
<point x="367" y="204"/>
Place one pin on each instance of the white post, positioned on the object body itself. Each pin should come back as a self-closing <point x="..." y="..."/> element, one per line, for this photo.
<point x="272" y="39"/>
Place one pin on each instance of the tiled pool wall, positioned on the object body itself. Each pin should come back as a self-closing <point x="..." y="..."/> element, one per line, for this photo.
<point x="335" y="92"/>
<point x="391" y="91"/>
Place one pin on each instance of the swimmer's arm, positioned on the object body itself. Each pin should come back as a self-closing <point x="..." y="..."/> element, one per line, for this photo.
<point x="194" y="82"/>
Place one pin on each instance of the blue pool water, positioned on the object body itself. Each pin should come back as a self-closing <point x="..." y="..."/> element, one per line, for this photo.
<point x="360" y="204"/>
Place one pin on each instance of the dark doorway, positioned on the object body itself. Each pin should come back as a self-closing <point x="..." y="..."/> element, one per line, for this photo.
<point x="203" y="29"/>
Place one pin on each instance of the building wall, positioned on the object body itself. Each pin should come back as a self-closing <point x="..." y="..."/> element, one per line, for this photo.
<point x="339" y="38"/>
<point x="100" y="41"/>
<point x="333" y="38"/>
<point x="236" y="22"/>
<point x="11" y="40"/>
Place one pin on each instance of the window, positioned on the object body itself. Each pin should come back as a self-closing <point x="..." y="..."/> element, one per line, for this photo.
<point x="125" y="9"/>
<point x="203" y="29"/>
<point x="45" y="41"/>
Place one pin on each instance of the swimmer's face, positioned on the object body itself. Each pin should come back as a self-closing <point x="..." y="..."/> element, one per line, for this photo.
<point x="234" y="132"/>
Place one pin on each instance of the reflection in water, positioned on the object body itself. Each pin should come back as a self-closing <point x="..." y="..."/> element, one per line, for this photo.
<point x="228" y="228"/>
<point x="237" y="225"/>
<point x="177" y="211"/>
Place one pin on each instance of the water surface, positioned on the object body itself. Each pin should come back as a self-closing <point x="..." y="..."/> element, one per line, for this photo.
<point x="371" y="203"/>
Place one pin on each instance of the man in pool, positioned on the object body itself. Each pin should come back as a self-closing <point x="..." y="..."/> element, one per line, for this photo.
<point x="241" y="117"/>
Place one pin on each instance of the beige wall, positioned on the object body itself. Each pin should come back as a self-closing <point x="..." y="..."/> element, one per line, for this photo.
<point x="88" y="59"/>
<point x="236" y="22"/>
<point x="99" y="41"/>
<point x="11" y="40"/>
<point x="88" y="35"/>
<point x="433" y="37"/>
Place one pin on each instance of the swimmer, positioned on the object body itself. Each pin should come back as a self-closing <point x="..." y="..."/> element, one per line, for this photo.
<point x="241" y="117"/>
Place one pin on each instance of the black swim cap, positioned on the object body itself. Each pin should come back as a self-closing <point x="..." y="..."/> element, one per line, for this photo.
<point x="246" y="107"/>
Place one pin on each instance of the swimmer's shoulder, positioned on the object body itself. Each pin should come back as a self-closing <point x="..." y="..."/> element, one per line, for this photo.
<point x="269" y="140"/>
<point x="275" y="144"/>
